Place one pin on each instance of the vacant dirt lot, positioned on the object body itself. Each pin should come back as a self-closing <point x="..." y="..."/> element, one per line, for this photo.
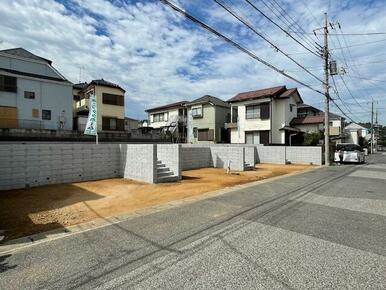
<point x="28" y="211"/>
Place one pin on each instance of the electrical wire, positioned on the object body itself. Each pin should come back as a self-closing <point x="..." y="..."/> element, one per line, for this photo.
<point x="233" y="43"/>
<point x="281" y="28"/>
<point x="249" y="25"/>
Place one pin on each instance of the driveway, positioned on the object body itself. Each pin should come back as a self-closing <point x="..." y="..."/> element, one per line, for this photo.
<point x="319" y="229"/>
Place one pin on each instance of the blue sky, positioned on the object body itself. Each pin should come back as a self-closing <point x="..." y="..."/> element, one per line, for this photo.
<point x="159" y="57"/>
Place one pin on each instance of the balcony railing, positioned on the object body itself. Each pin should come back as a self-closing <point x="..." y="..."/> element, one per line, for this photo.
<point x="82" y="104"/>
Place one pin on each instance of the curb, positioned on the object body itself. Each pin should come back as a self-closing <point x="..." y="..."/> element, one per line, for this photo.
<point x="36" y="239"/>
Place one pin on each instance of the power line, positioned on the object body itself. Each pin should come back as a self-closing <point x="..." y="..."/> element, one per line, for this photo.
<point x="286" y="14"/>
<point x="229" y="10"/>
<point x="360" y="44"/>
<point x="284" y="19"/>
<point x="233" y="43"/>
<point x="339" y="34"/>
<point x="281" y="28"/>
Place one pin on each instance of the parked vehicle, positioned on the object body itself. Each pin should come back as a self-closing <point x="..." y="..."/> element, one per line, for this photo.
<point x="349" y="152"/>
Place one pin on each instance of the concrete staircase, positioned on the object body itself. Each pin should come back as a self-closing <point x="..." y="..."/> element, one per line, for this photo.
<point x="164" y="174"/>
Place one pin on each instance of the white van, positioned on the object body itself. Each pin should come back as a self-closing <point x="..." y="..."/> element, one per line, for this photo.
<point x="349" y="152"/>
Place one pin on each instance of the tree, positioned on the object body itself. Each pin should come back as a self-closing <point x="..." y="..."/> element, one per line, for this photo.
<point x="311" y="139"/>
<point x="363" y="142"/>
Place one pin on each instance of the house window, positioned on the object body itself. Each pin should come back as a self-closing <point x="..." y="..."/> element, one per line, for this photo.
<point x="252" y="112"/>
<point x="292" y="106"/>
<point x="111" y="99"/>
<point x="205" y="134"/>
<point x="264" y="111"/>
<point x="113" y="124"/>
<point x="160" y="117"/>
<point x="29" y="95"/>
<point x="197" y="111"/>
<point x="8" y="84"/>
<point x="35" y="113"/>
<point x="46" y="114"/>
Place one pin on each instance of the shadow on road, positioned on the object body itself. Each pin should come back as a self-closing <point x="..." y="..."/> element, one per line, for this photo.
<point x="4" y="266"/>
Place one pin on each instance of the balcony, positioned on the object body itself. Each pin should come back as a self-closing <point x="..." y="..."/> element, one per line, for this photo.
<point x="82" y="105"/>
<point x="230" y="125"/>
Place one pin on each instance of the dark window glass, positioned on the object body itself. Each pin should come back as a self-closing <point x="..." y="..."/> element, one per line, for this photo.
<point x="8" y="84"/>
<point x="203" y="135"/>
<point x="29" y="95"/>
<point x="111" y="99"/>
<point x="264" y="137"/>
<point x="46" y="114"/>
<point x="264" y="113"/>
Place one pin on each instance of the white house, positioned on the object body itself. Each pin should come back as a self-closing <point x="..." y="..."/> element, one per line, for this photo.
<point x="263" y="116"/>
<point x="354" y="132"/>
<point x="33" y="94"/>
<point x="170" y="118"/>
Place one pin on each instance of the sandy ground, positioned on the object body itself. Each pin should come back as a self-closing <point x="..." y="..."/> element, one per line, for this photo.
<point x="28" y="211"/>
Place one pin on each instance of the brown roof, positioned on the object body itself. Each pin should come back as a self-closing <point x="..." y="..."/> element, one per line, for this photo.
<point x="288" y="93"/>
<point x="318" y="119"/>
<point x="168" y="106"/>
<point x="269" y="92"/>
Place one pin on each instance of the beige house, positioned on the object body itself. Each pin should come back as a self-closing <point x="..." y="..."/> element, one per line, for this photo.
<point x="206" y="120"/>
<point x="110" y="104"/>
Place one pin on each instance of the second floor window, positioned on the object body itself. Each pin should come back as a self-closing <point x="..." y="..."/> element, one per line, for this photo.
<point x="29" y="95"/>
<point x="197" y="111"/>
<point x="159" y="117"/>
<point x="252" y="112"/>
<point x="8" y="84"/>
<point x="111" y="99"/>
<point x="260" y="111"/>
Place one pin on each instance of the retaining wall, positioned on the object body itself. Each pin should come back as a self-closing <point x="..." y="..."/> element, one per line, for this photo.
<point x="292" y="154"/>
<point x="139" y="162"/>
<point x="221" y="155"/>
<point x="304" y="154"/>
<point x="27" y="165"/>
<point x="194" y="156"/>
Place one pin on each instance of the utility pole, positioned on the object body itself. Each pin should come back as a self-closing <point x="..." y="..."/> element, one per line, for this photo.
<point x="327" y="96"/>
<point x="372" y="127"/>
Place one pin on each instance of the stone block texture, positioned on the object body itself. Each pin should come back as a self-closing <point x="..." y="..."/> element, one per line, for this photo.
<point x="224" y="155"/>
<point x="271" y="154"/>
<point x="304" y="154"/>
<point x="250" y="152"/>
<point x="27" y="165"/>
<point x="138" y="161"/>
<point x="195" y="156"/>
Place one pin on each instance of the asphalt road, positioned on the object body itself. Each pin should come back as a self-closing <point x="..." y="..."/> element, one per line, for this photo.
<point x="320" y="229"/>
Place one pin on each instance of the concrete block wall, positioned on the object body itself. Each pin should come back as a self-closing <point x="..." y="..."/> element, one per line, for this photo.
<point x="304" y="154"/>
<point x="250" y="155"/>
<point x="195" y="156"/>
<point x="271" y="154"/>
<point x="28" y="165"/>
<point x="138" y="161"/>
<point x="221" y="155"/>
<point x="170" y="155"/>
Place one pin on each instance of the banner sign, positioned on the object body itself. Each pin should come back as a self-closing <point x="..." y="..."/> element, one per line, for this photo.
<point x="91" y="126"/>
